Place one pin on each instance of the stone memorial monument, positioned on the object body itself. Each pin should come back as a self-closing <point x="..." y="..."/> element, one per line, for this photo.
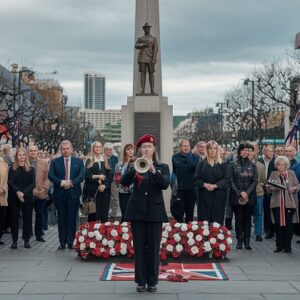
<point x="147" y="111"/>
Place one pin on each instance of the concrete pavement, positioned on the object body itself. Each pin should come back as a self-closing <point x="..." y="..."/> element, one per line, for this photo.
<point x="47" y="274"/>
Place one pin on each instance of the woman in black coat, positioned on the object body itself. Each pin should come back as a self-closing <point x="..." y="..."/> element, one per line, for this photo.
<point x="146" y="211"/>
<point x="242" y="176"/>
<point x="21" y="182"/>
<point x="97" y="176"/>
<point x="210" y="179"/>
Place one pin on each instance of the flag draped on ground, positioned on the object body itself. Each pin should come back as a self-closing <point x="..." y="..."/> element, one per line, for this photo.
<point x="205" y="271"/>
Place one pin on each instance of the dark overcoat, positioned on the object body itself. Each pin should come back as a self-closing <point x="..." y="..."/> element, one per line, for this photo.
<point x="146" y="202"/>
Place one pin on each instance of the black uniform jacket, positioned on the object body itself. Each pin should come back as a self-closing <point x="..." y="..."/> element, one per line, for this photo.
<point x="146" y="202"/>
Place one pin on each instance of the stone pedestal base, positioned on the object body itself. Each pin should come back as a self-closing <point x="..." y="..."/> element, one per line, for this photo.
<point x="150" y="114"/>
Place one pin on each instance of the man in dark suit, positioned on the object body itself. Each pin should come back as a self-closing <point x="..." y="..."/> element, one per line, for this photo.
<point x="184" y="167"/>
<point x="66" y="172"/>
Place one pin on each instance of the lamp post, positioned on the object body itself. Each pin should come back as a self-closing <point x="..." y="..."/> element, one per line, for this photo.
<point x="17" y="98"/>
<point x="221" y="105"/>
<point x="246" y="82"/>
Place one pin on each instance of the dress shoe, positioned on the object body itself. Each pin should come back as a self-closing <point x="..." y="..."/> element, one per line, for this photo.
<point x="70" y="246"/>
<point x="247" y="244"/>
<point x="61" y="247"/>
<point x="259" y="238"/>
<point x="239" y="245"/>
<point x="287" y="250"/>
<point x="1" y="243"/>
<point x="152" y="289"/>
<point x="141" y="288"/>
<point x="14" y="246"/>
<point x="27" y="245"/>
<point x="40" y="239"/>
<point x="277" y="250"/>
<point x="269" y="235"/>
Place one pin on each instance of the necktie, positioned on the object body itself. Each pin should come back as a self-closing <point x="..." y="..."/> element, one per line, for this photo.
<point x="67" y="169"/>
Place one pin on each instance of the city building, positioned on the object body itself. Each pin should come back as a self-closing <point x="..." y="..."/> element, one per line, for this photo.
<point x="112" y="133"/>
<point x="184" y="130"/>
<point x="94" y="91"/>
<point x="99" y="118"/>
<point x="51" y="91"/>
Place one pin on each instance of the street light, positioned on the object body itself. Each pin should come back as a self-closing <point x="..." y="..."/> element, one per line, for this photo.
<point x="246" y="82"/>
<point x="17" y="97"/>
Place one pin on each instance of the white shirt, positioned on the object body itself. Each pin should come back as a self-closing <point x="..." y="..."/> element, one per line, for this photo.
<point x="266" y="162"/>
<point x="69" y="166"/>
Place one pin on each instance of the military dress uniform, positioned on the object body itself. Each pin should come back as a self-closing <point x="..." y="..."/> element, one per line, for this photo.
<point x="146" y="211"/>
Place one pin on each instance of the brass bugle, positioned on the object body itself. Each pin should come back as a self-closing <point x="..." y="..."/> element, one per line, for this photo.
<point x="142" y="165"/>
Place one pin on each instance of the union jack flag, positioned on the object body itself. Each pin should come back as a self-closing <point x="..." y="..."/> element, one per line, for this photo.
<point x="207" y="271"/>
<point x="291" y="138"/>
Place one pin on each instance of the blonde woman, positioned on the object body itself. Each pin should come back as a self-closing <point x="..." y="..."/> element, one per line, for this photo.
<point x="97" y="176"/>
<point x="284" y="203"/>
<point x="21" y="182"/>
<point x="3" y="195"/>
<point x="210" y="180"/>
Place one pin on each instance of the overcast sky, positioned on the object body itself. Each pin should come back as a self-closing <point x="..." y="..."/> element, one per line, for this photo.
<point x="207" y="47"/>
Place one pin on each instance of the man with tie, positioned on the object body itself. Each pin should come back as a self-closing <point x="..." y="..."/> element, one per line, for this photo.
<point x="66" y="173"/>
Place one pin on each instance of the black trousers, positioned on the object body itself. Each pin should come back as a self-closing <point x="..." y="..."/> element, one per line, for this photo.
<point x="2" y="219"/>
<point x="102" y="207"/>
<point x="146" y="240"/>
<point x="188" y="198"/>
<point x="268" y="225"/>
<point x="67" y="210"/>
<point x="123" y="200"/>
<point x="284" y="234"/>
<point x="39" y="205"/>
<point x="243" y="215"/>
<point x="26" y="209"/>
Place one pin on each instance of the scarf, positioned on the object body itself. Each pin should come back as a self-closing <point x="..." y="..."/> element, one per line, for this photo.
<point x="284" y="181"/>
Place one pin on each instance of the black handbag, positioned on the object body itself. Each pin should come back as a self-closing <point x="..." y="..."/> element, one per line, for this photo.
<point x="176" y="207"/>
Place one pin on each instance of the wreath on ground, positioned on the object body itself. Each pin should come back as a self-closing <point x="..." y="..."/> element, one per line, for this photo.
<point x="195" y="239"/>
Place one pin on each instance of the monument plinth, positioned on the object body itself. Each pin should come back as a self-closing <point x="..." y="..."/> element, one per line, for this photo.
<point x="147" y="111"/>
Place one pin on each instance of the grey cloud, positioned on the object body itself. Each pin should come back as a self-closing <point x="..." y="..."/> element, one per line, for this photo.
<point x="76" y="36"/>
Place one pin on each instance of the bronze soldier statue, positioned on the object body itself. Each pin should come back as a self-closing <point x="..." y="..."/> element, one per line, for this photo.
<point x="147" y="44"/>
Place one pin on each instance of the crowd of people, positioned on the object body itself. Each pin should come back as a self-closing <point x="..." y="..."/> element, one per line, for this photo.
<point x="259" y="190"/>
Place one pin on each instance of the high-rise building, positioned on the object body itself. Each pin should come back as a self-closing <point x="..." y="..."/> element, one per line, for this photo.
<point x="94" y="91"/>
<point x="99" y="118"/>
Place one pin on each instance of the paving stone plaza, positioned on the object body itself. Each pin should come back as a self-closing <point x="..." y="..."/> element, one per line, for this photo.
<point x="45" y="273"/>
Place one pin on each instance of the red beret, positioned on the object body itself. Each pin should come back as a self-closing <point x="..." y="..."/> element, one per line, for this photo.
<point x="146" y="138"/>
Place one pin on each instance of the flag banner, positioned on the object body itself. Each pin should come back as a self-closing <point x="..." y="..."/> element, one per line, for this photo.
<point x="205" y="271"/>
<point x="291" y="138"/>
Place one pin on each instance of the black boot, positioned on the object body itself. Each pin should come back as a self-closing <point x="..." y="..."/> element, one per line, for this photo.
<point x="247" y="244"/>
<point x="27" y="245"/>
<point x="239" y="244"/>
<point x="14" y="245"/>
